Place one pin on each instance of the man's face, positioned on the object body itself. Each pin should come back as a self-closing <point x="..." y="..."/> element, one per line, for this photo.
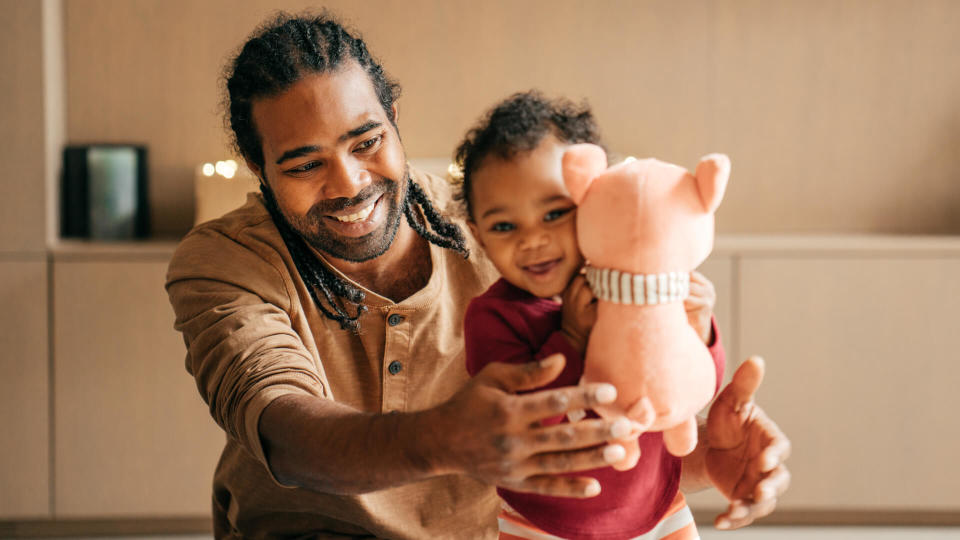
<point x="334" y="162"/>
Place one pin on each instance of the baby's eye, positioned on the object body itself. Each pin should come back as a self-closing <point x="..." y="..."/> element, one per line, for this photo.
<point x="557" y="214"/>
<point x="502" y="226"/>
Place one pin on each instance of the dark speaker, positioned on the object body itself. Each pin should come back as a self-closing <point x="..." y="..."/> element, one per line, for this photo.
<point x="104" y="192"/>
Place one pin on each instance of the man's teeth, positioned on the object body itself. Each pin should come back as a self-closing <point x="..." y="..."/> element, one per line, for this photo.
<point x="355" y="217"/>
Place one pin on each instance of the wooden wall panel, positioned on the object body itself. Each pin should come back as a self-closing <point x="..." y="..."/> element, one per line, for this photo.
<point x="24" y="395"/>
<point x="839" y="116"/>
<point x="22" y="147"/>
<point x="133" y="437"/>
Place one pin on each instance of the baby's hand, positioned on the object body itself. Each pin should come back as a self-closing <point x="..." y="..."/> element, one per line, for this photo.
<point x="579" y="312"/>
<point x="699" y="306"/>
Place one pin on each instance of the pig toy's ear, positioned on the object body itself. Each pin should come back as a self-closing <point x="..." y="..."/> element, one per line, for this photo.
<point x="581" y="164"/>
<point x="711" y="177"/>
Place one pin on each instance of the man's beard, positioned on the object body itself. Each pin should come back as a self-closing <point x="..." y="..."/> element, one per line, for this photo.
<point x="313" y="229"/>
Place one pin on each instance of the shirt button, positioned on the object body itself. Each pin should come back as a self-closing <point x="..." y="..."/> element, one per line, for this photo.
<point x="394" y="319"/>
<point x="394" y="367"/>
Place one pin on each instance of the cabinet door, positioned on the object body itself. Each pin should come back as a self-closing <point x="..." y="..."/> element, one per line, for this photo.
<point x="132" y="436"/>
<point x="862" y="374"/>
<point x="24" y="399"/>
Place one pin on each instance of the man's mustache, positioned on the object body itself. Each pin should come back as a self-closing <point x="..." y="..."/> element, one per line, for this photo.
<point x="372" y="191"/>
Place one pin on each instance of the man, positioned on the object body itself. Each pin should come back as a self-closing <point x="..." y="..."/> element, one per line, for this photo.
<point x="323" y="319"/>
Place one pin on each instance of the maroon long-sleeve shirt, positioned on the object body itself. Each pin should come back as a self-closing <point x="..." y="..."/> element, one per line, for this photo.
<point x="508" y="324"/>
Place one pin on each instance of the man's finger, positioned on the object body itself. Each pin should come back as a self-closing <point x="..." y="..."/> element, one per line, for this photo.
<point x="776" y="452"/>
<point x="773" y="486"/>
<point x="741" y="513"/>
<point x="557" y="486"/>
<point x="571" y="461"/>
<point x="518" y="377"/>
<point x="744" y="383"/>
<point x="583" y="434"/>
<point x="547" y="403"/>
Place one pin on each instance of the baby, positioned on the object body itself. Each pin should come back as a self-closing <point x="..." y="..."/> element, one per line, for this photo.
<point x="523" y="217"/>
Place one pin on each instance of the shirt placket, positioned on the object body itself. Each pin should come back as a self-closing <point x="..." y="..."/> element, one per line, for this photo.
<point x="396" y="357"/>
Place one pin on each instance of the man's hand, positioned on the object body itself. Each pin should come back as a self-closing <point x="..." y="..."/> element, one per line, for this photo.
<point x="578" y="312"/>
<point x="489" y="432"/>
<point x="745" y="450"/>
<point x="699" y="306"/>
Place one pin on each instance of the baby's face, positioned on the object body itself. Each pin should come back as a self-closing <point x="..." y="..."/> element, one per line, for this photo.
<point x="524" y="219"/>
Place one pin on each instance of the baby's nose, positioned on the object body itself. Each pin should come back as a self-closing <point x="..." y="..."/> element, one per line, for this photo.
<point x="535" y="239"/>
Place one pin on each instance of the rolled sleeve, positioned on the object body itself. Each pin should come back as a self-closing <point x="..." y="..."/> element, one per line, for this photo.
<point x="234" y="314"/>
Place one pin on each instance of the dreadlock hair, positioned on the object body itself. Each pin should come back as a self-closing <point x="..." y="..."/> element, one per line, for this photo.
<point x="518" y="124"/>
<point x="278" y="54"/>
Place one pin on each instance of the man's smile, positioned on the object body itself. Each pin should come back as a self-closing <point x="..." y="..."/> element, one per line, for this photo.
<point x="358" y="215"/>
<point x="356" y="221"/>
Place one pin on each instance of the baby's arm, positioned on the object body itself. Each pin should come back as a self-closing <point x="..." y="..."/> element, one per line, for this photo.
<point x="579" y="313"/>
<point x="699" y="306"/>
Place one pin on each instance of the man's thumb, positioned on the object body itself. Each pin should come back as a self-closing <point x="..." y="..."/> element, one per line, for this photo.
<point x="527" y="376"/>
<point x="746" y="381"/>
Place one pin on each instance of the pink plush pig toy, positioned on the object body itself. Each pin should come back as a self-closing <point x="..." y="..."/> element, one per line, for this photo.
<point x="642" y="227"/>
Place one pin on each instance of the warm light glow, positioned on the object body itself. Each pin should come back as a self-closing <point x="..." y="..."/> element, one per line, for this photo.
<point x="209" y="169"/>
<point x="629" y="159"/>
<point x="226" y="169"/>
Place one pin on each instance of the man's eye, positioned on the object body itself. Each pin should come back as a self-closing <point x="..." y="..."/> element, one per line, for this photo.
<point x="369" y="144"/>
<point x="557" y="214"/>
<point x="502" y="227"/>
<point x="305" y="167"/>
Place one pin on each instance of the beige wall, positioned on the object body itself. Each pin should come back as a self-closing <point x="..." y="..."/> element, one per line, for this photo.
<point x="22" y="182"/>
<point x="840" y="116"/>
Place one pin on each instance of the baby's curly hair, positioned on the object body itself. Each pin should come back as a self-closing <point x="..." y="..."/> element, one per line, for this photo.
<point x="518" y="124"/>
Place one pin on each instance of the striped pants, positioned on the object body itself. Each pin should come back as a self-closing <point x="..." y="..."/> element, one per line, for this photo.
<point x="677" y="524"/>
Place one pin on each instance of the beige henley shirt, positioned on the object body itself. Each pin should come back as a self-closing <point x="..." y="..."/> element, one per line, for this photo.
<point x="253" y="334"/>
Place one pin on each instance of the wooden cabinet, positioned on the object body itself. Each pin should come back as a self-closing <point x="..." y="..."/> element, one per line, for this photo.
<point x="862" y="368"/>
<point x="862" y="373"/>
<point x="857" y="334"/>
<point x="24" y="395"/>
<point x="132" y="436"/>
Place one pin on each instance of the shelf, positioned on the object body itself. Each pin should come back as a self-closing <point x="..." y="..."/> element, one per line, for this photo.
<point x="71" y="250"/>
<point x="836" y="244"/>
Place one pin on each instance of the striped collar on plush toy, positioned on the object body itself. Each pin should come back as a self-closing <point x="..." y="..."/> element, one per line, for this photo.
<point x="638" y="289"/>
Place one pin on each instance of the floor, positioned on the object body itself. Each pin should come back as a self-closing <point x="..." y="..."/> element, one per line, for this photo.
<point x="834" y="533"/>
<point x="749" y="533"/>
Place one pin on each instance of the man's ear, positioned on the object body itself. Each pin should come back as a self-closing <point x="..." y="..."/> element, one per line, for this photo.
<point x="255" y="169"/>
<point x="475" y="232"/>
<point x="396" y="112"/>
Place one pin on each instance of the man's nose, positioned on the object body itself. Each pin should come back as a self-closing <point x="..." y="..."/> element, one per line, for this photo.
<point x="346" y="178"/>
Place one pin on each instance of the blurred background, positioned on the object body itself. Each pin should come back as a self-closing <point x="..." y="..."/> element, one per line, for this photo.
<point x="837" y="254"/>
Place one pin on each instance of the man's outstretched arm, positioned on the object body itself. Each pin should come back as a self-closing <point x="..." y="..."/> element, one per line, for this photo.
<point x="485" y="431"/>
